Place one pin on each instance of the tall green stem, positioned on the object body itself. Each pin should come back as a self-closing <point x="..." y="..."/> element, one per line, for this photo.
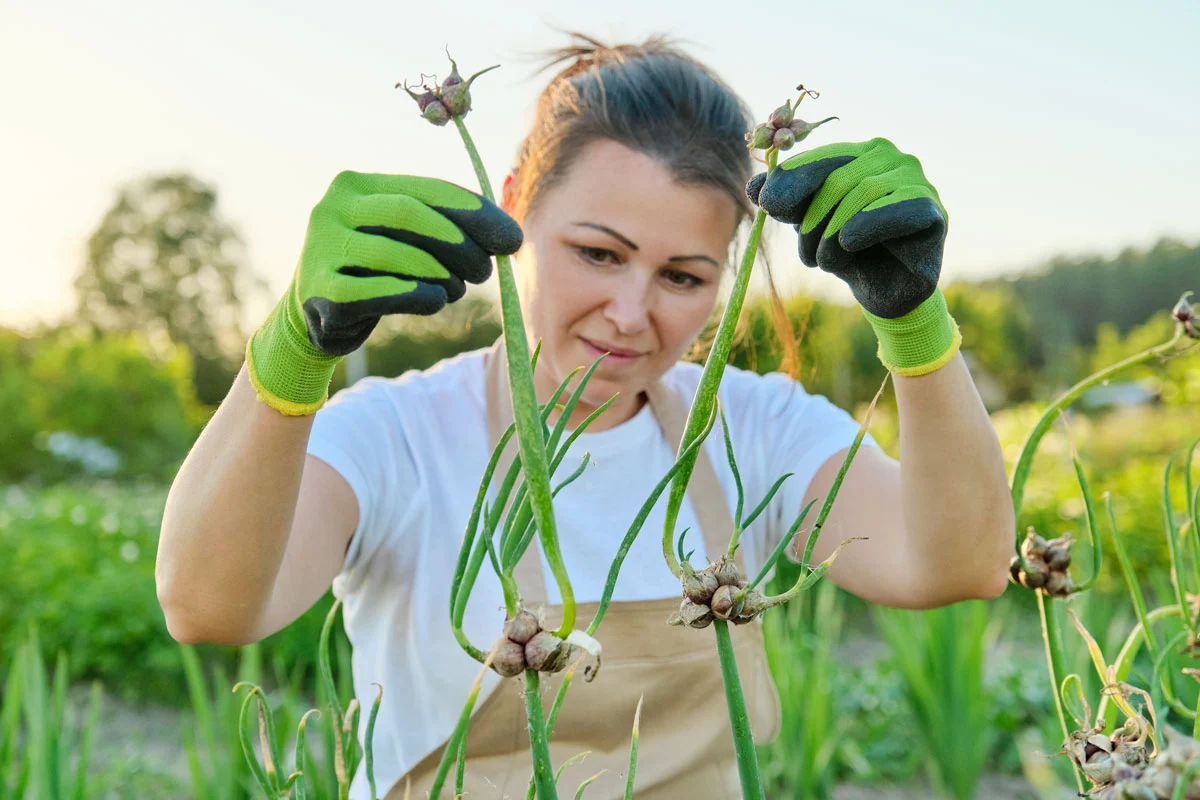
<point x="739" y="721"/>
<point x="543" y="771"/>
<point x="706" y="393"/>
<point x="1056" y="662"/>
<point x="524" y="397"/>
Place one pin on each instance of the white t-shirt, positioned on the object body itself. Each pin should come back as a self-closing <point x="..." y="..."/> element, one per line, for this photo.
<point x="414" y="449"/>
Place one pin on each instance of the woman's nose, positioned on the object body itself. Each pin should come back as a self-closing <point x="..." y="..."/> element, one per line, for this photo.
<point x="628" y="307"/>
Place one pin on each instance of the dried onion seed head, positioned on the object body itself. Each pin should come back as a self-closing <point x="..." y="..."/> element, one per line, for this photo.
<point x="1092" y="751"/>
<point x="723" y="603"/>
<point x="699" y="586"/>
<point x="725" y="571"/>
<point x="753" y="605"/>
<point x="695" y="615"/>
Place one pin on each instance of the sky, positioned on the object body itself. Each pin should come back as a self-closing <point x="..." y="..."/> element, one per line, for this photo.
<point x="1051" y="127"/>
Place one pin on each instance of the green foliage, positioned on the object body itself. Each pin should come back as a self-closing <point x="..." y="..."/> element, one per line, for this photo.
<point x="801" y="638"/>
<point x="163" y="261"/>
<point x="46" y="739"/>
<point x="111" y="390"/>
<point x="1070" y="297"/>
<point x="78" y="562"/>
<point x="219" y="739"/>
<point x="941" y="654"/>
<point x="115" y="390"/>
<point x="1177" y="381"/>
<point x="1123" y="452"/>
<point x="19" y="456"/>
<point x="405" y="342"/>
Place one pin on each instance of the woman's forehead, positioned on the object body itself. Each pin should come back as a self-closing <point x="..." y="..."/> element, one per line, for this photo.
<point x="614" y="186"/>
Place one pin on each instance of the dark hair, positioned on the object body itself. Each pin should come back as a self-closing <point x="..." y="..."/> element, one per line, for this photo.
<point x="654" y="99"/>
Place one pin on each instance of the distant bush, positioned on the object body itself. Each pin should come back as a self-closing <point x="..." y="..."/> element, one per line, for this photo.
<point x="78" y="562"/>
<point x="67" y="401"/>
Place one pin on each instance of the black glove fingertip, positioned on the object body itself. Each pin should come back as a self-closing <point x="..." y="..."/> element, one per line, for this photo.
<point x="788" y="193"/>
<point x="754" y="187"/>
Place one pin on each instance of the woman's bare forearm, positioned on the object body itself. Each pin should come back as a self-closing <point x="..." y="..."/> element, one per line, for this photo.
<point x="227" y="519"/>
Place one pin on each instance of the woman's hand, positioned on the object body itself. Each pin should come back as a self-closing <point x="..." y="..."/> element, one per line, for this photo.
<point x="866" y="213"/>
<point x="376" y="244"/>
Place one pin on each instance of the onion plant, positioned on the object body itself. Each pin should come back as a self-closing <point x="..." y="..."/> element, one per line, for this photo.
<point x="718" y="594"/>
<point x="1119" y="764"/>
<point x="522" y="508"/>
<point x="715" y="595"/>
<point x="41" y="733"/>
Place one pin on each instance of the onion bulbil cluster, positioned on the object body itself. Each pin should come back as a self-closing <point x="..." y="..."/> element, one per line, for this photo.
<point x="782" y="129"/>
<point x="1185" y="315"/>
<point x="716" y="592"/>
<point x="1047" y="565"/>
<point x="446" y="100"/>
<point x="527" y="645"/>
<point x="1119" y="768"/>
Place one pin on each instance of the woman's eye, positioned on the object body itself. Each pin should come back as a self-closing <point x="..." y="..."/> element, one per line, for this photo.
<point x="596" y="255"/>
<point x="683" y="280"/>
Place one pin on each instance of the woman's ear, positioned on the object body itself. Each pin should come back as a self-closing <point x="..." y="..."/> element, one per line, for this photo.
<point x="507" y="194"/>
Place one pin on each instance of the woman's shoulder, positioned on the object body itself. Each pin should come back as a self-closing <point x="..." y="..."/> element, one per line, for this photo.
<point x="450" y="382"/>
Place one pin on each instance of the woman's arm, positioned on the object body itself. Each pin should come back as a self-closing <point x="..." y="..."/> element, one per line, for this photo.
<point x="940" y="521"/>
<point x="237" y="559"/>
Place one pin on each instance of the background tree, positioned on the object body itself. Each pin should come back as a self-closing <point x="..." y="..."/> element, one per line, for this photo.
<point x="162" y="261"/>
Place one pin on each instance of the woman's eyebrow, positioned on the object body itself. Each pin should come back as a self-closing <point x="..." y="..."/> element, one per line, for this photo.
<point x="625" y="241"/>
<point x="695" y="258"/>
<point x="610" y="232"/>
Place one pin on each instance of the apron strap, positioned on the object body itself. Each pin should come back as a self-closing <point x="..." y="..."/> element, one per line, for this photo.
<point x="704" y="489"/>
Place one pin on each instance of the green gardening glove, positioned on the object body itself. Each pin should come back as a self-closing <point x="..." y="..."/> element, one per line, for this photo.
<point x="376" y="244"/>
<point x="866" y="213"/>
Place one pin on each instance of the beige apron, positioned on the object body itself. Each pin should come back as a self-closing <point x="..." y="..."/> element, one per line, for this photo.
<point x="685" y="746"/>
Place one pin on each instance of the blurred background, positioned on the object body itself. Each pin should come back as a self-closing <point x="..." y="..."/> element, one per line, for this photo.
<point x="160" y="161"/>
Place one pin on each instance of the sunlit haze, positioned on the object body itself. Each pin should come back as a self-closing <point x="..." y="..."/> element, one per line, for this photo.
<point x="1047" y="127"/>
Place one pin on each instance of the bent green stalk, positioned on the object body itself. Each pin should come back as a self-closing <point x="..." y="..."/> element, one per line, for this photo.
<point x="1052" y="637"/>
<point x="529" y="427"/>
<point x="1025" y="460"/>
<point x="1126" y="656"/>
<point x="1178" y="573"/>
<point x="1139" y="605"/>
<point x="1050" y="622"/>
<point x="450" y="753"/>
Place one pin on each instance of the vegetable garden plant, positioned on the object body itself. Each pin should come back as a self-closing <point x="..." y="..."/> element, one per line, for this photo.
<point x="1142" y="757"/>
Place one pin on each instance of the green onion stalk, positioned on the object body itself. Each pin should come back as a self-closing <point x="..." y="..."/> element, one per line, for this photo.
<point x="1026" y="563"/>
<point x="718" y="595"/>
<point x="501" y="532"/>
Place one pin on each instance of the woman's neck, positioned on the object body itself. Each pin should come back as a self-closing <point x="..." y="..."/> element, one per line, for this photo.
<point x="622" y="410"/>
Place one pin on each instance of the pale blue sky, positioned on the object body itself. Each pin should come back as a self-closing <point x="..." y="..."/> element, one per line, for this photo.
<point x="1047" y="127"/>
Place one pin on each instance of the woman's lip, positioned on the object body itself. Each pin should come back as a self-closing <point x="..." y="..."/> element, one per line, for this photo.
<point x="612" y="353"/>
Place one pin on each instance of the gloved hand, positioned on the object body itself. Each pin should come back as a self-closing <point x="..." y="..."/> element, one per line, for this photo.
<point x="866" y="213"/>
<point x="376" y="244"/>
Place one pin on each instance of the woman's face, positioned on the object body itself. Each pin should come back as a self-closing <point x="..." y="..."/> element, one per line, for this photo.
<point x="619" y="257"/>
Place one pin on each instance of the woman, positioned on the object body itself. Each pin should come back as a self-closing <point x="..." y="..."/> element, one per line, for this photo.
<point x="621" y="209"/>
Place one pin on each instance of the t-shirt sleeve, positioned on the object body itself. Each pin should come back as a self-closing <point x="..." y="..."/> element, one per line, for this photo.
<point x="799" y="432"/>
<point x="359" y="433"/>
